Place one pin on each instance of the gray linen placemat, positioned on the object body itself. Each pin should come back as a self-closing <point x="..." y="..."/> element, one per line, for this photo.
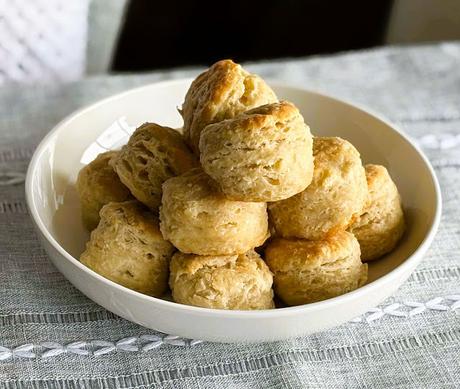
<point x="54" y="337"/>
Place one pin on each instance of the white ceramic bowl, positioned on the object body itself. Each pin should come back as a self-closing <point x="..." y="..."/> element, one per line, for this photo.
<point x="54" y="208"/>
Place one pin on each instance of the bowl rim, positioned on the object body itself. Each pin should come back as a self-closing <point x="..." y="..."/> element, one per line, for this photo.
<point x="243" y="314"/>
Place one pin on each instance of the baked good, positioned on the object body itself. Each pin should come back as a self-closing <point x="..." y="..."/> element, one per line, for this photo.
<point x="198" y="219"/>
<point x="336" y="195"/>
<point x="127" y="248"/>
<point x="222" y="92"/>
<point x="381" y="226"/>
<point x="98" y="184"/>
<point x="224" y="282"/>
<point x="264" y="154"/>
<point x="308" y="271"/>
<point x="152" y="155"/>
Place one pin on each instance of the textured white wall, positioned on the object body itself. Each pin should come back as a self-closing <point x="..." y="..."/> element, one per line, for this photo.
<point x="42" y="41"/>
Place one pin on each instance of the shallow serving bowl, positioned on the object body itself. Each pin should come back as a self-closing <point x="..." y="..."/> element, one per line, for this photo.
<point x="54" y="208"/>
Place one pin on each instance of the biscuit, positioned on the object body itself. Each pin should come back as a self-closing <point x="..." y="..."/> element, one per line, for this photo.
<point x="152" y="155"/>
<point x="198" y="219"/>
<point x="335" y="197"/>
<point x="222" y="282"/>
<point x="127" y="248"/>
<point x="264" y="154"/>
<point x="98" y="184"/>
<point x="309" y="271"/>
<point x="222" y="92"/>
<point x="381" y="226"/>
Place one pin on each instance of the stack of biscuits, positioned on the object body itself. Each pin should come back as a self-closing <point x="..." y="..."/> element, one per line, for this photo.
<point x="242" y="204"/>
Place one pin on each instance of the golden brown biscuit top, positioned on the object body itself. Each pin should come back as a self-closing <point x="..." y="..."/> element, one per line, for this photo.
<point x="221" y="92"/>
<point x="133" y="214"/>
<point x="268" y="115"/>
<point x="168" y="143"/>
<point x="334" y="149"/>
<point x="374" y="173"/>
<point x="191" y="263"/>
<point x="283" y="110"/>
<point x="377" y="176"/>
<point x="383" y="198"/>
<point x="334" y="155"/>
<point x="219" y="80"/>
<point x="265" y="124"/>
<point x="379" y="184"/>
<point x="148" y="131"/>
<point x="100" y="173"/>
<point x="291" y="254"/>
<point x="193" y="185"/>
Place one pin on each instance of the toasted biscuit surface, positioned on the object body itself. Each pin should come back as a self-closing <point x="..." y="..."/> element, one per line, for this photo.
<point x="381" y="226"/>
<point x="127" y="248"/>
<point x="309" y="271"/>
<point x="264" y="154"/>
<point x="152" y="155"/>
<point x="335" y="197"/>
<point x="198" y="219"/>
<point x="225" y="282"/>
<point x="98" y="184"/>
<point x="222" y="92"/>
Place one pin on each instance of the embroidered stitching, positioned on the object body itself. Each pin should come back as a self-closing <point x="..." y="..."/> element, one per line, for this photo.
<point x="410" y="308"/>
<point x="442" y="141"/>
<point x="145" y="343"/>
<point x="96" y="348"/>
<point x="11" y="178"/>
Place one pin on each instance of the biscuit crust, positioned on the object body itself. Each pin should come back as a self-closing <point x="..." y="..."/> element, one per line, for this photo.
<point x="153" y="154"/>
<point x="221" y="92"/>
<point x="98" y="184"/>
<point x="335" y="197"/>
<point x="198" y="219"/>
<point x="127" y="248"/>
<point x="264" y="154"/>
<point x="222" y="282"/>
<point x="309" y="271"/>
<point x="382" y="225"/>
